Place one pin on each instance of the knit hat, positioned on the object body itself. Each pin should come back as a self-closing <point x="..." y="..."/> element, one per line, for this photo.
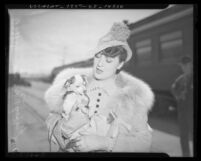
<point x="117" y="35"/>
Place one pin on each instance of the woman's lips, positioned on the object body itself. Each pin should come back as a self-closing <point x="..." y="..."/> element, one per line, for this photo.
<point x="98" y="71"/>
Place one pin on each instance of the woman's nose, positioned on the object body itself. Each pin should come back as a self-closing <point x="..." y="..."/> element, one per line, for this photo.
<point x="101" y="61"/>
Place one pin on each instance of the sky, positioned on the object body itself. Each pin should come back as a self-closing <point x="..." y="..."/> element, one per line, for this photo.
<point x="43" y="39"/>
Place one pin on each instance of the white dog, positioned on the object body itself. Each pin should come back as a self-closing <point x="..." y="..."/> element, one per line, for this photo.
<point x="75" y="110"/>
<point x="75" y="95"/>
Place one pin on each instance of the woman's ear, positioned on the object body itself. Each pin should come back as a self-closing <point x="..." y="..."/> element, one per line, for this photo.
<point x="120" y="65"/>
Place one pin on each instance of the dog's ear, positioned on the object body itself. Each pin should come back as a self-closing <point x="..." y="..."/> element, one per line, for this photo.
<point x="72" y="80"/>
<point x="84" y="77"/>
<point x="69" y="82"/>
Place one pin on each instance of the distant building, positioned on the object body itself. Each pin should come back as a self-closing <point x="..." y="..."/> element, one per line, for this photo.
<point x="80" y="64"/>
<point x="16" y="79"/>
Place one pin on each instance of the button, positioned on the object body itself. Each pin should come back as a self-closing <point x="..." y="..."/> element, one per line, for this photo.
<point x="97" y="106"/>
<point x="99" y="94"/>
<point x="98" y="100"/>
<point x="95" y="111"/>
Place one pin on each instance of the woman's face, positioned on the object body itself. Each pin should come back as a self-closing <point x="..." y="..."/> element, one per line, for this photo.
<point x="105" y="67"/>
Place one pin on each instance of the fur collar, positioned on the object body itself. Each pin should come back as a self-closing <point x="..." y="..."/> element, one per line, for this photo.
<point x="137" y="91"/>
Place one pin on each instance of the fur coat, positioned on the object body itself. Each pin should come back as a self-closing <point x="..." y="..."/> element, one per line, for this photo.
<point x="132" y="104"/>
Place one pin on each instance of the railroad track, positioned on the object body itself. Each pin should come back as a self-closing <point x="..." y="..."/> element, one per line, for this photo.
<point x="29" y="106"/>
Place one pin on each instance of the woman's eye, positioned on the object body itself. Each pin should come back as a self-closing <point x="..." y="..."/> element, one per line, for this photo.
<point x="98" y="55"/>
<point x="109" y="59"/>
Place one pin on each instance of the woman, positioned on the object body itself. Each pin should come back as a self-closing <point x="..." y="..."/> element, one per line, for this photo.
<point x="129" y="98"/>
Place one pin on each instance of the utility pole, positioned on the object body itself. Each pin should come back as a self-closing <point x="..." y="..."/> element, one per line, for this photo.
<point x="13" y="42"/>
<point x="63" y="56"/>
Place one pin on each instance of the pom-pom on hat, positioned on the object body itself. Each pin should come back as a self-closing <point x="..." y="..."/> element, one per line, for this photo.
<point x="117" y="35"/>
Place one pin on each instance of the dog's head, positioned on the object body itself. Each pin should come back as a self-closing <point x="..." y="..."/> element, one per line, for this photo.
<point x="77" y="84"/>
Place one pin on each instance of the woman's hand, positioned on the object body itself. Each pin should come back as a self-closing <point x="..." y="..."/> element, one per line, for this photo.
<point x="87" y="143"/>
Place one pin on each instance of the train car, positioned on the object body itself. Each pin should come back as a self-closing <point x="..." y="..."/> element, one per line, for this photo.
<point x="157" y="43"/>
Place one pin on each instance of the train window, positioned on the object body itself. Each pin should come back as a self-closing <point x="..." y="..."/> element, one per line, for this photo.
<point x="171" y="36"/>
<point x="143" y="51"/>
<point x="143" y="43"/>
<point x="171" y="45"/>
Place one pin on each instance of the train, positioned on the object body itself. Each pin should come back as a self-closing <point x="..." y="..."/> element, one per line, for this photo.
<point x="158" y="42"/>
